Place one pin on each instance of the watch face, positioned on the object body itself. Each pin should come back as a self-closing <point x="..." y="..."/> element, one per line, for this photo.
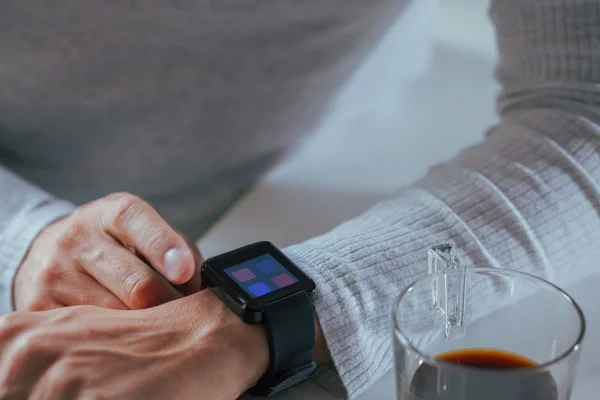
<point x="255" y="275"/>
<point x="261" y="275"/>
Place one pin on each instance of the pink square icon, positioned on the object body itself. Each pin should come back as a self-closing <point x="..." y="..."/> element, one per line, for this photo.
<point x="243" y="275"/>
<point x="282" y="280"/>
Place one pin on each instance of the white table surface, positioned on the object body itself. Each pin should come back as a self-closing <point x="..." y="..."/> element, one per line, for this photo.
<point x="363" y="152"/>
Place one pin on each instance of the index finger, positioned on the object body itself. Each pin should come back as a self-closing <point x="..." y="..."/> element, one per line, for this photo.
<point x="136" y="224"/>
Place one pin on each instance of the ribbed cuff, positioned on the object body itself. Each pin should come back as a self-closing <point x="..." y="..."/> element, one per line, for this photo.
<point x="315" y="264"/>
<point x="19" y="235"/>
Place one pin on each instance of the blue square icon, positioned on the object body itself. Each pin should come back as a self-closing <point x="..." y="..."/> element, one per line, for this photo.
<point x="266" y="266"/>
<point x="259" y="289"/>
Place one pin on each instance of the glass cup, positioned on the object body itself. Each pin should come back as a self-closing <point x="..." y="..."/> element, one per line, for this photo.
<point x="471" y="333"/>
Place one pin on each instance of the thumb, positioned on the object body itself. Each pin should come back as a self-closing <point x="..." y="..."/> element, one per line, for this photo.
<point x="194" y="285"/>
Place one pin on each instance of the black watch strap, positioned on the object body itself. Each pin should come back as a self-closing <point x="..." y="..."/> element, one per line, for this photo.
<point x="290" y="327"/>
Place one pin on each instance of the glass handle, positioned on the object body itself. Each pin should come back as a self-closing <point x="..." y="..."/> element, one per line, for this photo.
<point x="448" y="289"/>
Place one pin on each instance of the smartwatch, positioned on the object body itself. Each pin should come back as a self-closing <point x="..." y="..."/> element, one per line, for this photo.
<point x="262" y="286"/>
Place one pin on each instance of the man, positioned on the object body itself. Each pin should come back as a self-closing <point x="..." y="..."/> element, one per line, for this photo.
<point x="185" y="103"/>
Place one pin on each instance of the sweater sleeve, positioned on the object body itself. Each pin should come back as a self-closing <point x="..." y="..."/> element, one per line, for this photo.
<point x="527" y="197"/>
<point x="24" y="211"/>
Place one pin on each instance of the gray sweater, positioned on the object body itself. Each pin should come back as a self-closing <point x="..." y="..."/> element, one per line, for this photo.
<point x="186" y="102"/>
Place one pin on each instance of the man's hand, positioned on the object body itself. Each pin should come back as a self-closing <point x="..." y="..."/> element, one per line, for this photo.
<point x="190" y="348"/>
<point x="116" y="252"/>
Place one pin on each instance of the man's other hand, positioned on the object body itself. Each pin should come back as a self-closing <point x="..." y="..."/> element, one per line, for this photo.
<point x="115" y="252"/>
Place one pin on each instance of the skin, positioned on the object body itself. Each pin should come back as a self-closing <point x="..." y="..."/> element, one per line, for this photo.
<point x="135" y="326"/>
<point x="183" y="349"/>
<point x="109" y="253"/>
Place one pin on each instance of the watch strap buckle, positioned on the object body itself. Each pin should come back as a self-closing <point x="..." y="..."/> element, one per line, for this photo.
<point x="285" y="380"/>
<point x="293" y="376"/>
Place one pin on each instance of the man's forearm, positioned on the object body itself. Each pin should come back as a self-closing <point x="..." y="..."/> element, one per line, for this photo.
<point x="527" y="198"/>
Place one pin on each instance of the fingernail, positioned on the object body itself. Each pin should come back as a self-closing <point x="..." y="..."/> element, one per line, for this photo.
<point x="178" y="263"/>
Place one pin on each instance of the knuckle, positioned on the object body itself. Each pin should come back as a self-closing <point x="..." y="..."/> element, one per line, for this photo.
<point x="142" y="291"/>
<point x="49" y="275"/>
<point x="128" y="206"/>
<point x="97" y="255"/>
<point x="72" y="236"/>
<point x="158" y="240"/>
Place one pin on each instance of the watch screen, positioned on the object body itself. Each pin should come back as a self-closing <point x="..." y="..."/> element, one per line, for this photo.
<point x="260" y="276"/>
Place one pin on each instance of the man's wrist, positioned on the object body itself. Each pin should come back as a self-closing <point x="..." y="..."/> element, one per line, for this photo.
<point x="254" y="353"/>
<point x="245" y="347"/>
<point x="253" y="350"/>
